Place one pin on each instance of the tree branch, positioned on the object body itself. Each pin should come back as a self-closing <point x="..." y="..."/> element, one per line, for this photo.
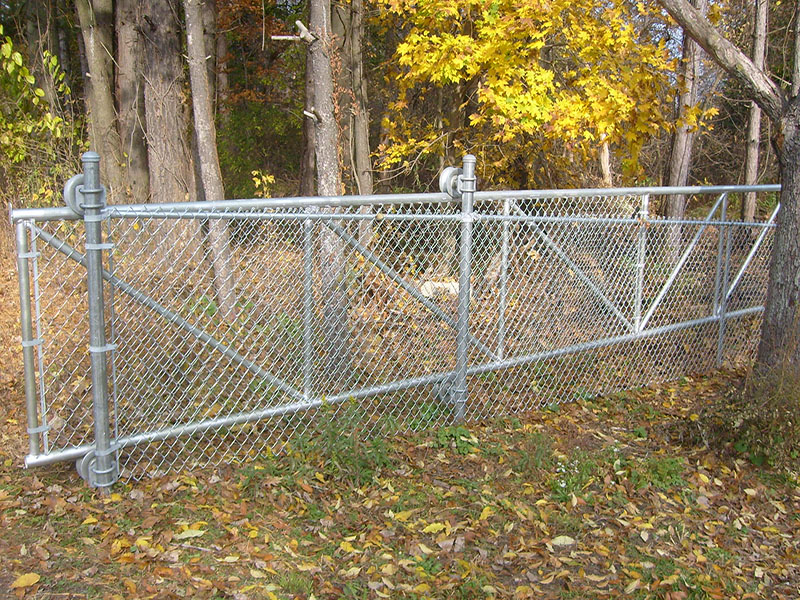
<point x="765" y="92"/>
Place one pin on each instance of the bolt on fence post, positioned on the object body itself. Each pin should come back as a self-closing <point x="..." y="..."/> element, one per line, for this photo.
<point x="504" y="251"/>
<point x="459" y="392"/>
<point x="723" y="293"/>
<point x="641" y="257"/>
<point x="28" y="342"/>
<point x="102" y="471"/>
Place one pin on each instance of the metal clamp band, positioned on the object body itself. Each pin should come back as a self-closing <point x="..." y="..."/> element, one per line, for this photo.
<point x="103" y="246"/>
<point x="95" y="218"/>
<point x="101" y="349"/>
<point x="29" y="255"/>
<point x="112" y="449"/>
<point x="40" y="429"/>
<point x="31" y="343"/>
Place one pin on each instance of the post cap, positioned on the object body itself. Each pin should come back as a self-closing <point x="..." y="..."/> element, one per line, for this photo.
<point x="90" y="157"/>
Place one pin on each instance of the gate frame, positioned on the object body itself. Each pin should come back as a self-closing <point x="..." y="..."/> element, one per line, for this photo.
<point x="85" y="199"/>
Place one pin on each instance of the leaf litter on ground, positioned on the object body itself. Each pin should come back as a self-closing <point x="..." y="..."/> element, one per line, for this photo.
<point x="569" y="504"/>
<point x="605" y="497"/>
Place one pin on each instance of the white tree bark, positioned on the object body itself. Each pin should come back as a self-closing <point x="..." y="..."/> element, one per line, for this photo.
<point x="329" y="183"/>
<point x="97" y="23"/>
<point x="219" y="237"/>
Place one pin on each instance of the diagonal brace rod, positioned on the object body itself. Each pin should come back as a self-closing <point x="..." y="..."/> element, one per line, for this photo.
<point x="172" y="317"/>
<point x="574" y="267"/>
<point x="738" y="279"/>
<point x="682" y="261"/>
<point x="397" y="278"/>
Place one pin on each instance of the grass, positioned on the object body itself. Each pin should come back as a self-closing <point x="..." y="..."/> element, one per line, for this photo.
<point x="663" y="473"/>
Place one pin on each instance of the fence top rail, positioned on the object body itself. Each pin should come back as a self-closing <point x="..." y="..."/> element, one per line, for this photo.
<point x="120" y="210"/>
<point x="63" y="213"/>
<point x="629" y="191"/>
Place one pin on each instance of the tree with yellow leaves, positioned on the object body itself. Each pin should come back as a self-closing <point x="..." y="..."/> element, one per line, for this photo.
<point x="510" y="80"/>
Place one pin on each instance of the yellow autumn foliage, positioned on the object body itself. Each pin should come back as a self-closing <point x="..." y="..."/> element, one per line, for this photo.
<point x="511" y="77"/>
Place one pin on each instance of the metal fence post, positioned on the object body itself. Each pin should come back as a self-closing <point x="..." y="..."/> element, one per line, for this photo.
<point x="459" y="393"/>
<point x="101" y="469"/>
<point x="723" y="295"/>
<point x="641" y="256"/>
<point x="28" y="341"/>
<point x="308" y="307"/>
<point x="504" y="252"/>
<point x="720" y="254"/>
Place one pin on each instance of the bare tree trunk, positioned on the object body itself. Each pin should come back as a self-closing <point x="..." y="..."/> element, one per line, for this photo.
<point x="308" y="161"/>
<point x="130" y="92"/>
<point x="41" y="38"/>
<point x="97" y="22"/>
<point x="208" y="10"/>
<point x="168" y="150"/>
<point x="796" y="57"/>
<point x="754" y="121"/>
<point x="332" y="258"/>
<point x="348" y="25"/>
<point x="362" y="161"/>
<point x="86" y="81"/>
<point x="780" y="330"/>
<point x="341" y="30"/>
<point x="63" y="43"/>
<point x="683" y="139"/>
<point x="605" y="165"/>
<point x="222" y="86"/>
<point x="219" y="238"/>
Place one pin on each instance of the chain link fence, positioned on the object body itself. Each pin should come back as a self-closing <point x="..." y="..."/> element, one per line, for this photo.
<point x="161" y="337"/>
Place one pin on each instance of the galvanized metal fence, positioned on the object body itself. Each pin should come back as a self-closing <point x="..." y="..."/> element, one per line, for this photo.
<point x="158" y="337"/>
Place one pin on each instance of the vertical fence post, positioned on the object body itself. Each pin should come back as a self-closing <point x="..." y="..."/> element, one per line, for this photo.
<point x="720" y="254"/>
<point x="641" y="257"/>
<point x="723" y="288"/>
<point x="308" y="307"/>
<point x="504" y="251"/>
<point x="28" y="341"/>
<point x="102" y="469"/>
<point x="459" y="393"/>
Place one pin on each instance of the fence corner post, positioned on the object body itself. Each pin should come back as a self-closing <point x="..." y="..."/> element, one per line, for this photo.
<point x="99" y="467"/>
<point x="467" y="188"/>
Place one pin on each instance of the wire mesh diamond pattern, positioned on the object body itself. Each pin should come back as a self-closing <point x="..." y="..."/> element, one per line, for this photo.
<point x="241" y="328"/>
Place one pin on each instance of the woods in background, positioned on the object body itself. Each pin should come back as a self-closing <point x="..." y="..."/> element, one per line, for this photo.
<point x="578" y="94"/>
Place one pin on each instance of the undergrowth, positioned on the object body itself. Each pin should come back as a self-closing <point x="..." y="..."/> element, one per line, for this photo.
<point x="759" y="419"/>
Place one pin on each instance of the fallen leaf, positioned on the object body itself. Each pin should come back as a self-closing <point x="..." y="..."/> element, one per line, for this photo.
<point x="562" y="540"/>
<point x="26" y="580"/>
<point x="403" y="515"/>
<point x="425" y="549"/>
<point x="189" y="533"/>
<point x="632" y="586"/>
<point x="434" y="528"/>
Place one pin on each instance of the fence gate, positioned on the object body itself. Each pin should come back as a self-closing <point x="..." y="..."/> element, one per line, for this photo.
<point x="159" y="337"/>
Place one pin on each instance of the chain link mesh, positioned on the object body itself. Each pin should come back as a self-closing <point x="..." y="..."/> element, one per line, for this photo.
<point x="237" y="331"/>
